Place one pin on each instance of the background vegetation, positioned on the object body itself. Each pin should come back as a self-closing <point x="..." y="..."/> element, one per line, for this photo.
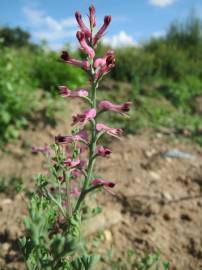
<point x="163" y="78"/>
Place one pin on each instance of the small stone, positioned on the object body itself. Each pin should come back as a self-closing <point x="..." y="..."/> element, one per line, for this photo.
<point x="169" y="160"/>
<point x="137" y="180"/>
<point x="166" y="195"/>
<point x="108" y="236"/>
<point x="5" y="247"/>
<point x="154" y="175"/>
<point x="6" y="201"/>
<point x="150" y="153"/>
<point x="159" y="135"/>
<point x="126" y="156"/>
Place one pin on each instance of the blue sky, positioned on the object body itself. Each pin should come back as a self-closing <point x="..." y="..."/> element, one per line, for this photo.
<point x="132" y="20"/>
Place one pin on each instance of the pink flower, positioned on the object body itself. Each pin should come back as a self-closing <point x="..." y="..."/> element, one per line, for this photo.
<point x="72" y="163"/>
<point x="76" y="173"/>
<point x="84" y="29"/>
<point x="102" y="182"/>
<point x="78" y="63"/>
<point x="103" y="151"/>
<point x="75" y="192"/>
<point x="66" y="92"/>
<point x="84" y="117"/>
<point x="81" y="37"/>
<point x="92" y="16"/>
<point x="109" y="64"/>
<point x="100" y="33"/>
<point x="82" y="136"/>
<point x="41" y="149"/>
<point x="107" y="105"/>
<point x="115" y="132"/>
<point x="102" y="61"/>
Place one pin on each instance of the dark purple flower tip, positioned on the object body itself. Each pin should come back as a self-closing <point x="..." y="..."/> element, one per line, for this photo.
<point x="107" y="20"/>
<point x="111" y="184"/>
<point x="65" y="56"/>
<point x="80" y="35"/>
<point x="126" y="106"/>
<point x="60" y="139"/>
<point x="78" y="15"/>
<point x="110" y="60"/>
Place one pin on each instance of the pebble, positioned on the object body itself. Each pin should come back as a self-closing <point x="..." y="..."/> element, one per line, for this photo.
<point x="154" y="175"/>
<point x="166" y="195"/>
<point x="108" y="236"/>
<point x="6" y="201"/>
<point x="5" y="247"/>
<point x="137" y="180"/>
<point x="150" y="153"/>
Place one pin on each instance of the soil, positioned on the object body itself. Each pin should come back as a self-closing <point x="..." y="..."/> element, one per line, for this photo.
<point x="156" y="205"/>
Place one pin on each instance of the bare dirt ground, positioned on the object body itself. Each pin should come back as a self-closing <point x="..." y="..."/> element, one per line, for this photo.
<point x="157" y="203"/>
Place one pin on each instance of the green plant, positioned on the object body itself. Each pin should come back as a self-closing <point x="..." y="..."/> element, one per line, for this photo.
<point x="16" y="92"/>
<point x="48" y="73"/>
<point x="133" y="261"/>
<point x="56" y="209"/>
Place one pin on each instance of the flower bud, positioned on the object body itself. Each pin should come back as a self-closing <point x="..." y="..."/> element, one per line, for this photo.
<point x="92" y="18"/>
<point x="81" y="38"/>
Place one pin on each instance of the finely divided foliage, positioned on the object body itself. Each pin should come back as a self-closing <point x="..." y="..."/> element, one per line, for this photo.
<point x="53" y="239"/>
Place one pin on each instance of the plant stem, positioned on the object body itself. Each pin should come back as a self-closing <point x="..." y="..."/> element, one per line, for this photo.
<point x="91" y="159"/>
<point x="67" y="182"/>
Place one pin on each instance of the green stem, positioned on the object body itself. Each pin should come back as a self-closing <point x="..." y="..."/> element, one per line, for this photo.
<point x="67" y="182"/>
<point x="91" y="159"/>
<point x="56" y="202"/>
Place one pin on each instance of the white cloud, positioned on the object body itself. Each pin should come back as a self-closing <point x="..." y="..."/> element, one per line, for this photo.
<point x="120" y="40"/>
<point x="44" y="27"/>
<point x="158" y="34"/>
<point x="161" y="3"/>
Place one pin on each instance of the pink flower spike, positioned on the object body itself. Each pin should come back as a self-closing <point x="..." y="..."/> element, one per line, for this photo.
<point x="84" y="117"/>
<point x="92" y="18"/>
<point x="81" y="38"/>
<point x="66" y="92"/>
<point x="84" y="64"/>
<point x="115" y="132"/>
<point x="72" y="163"/>
<point x="81" y="24"/>
<point x="107" y="105"/>
<point x="100" y="33"/>
<point x="103" y="151"/>
<point x="102" y="182"/>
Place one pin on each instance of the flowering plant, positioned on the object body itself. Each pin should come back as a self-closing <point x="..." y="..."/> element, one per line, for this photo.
<point x="53" y="238"/>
